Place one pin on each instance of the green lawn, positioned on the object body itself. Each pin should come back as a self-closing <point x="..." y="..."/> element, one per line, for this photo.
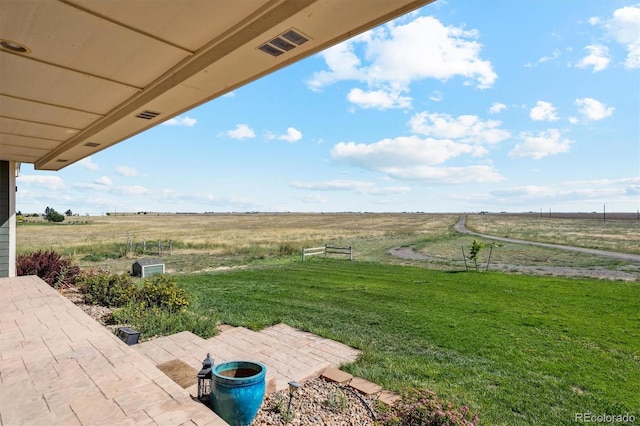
<point x="516" y="349"/>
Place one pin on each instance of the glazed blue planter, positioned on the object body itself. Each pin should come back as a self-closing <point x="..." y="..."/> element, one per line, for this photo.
<point x="237" y="389"/>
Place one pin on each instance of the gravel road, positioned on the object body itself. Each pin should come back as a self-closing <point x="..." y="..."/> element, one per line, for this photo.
<point x="462" y="228"/>
<point x="596" y="272"/>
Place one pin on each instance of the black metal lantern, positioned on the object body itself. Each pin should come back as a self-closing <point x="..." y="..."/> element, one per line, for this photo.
<point x="204" y="380"/>
<point x="293" y="388"/>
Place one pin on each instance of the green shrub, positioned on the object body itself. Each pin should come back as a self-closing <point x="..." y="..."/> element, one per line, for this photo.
<point x="162" y="291"/>
<point x="161" y="322"/>
<point x="55" y="270"/>
<point x="105" y="289"/>
<point x="422" y="407"/>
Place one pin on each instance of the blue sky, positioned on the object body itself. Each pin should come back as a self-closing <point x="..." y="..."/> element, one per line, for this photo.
<point x="461" y="106"/>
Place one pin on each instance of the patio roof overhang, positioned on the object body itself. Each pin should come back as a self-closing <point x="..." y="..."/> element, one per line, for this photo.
<point x="78" y="76"/>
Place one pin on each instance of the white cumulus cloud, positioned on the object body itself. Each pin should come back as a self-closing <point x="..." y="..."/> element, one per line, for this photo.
<point x="399" y="152"/>
<point x="624" y="27"/>
<point x="103" y="180"/>
<point x="497" y="107"/>
<point x="446" y="175"/>
<point x="540" y="145"/>
<point x="127" y="171"/>
<point x="466" y="128"/>
<point x="592" y="109"/>
<point x="293" y="135"/>
<point x="598" y="58"/>
<point x="543" y="111"/>
<point x="242" y="131"/>
<point x="185" y="121"/>
<point x="388" y="59"/>
<point x="379" y="99"/>
<point x="46" y="181"/>
<point x="87" y="163"/>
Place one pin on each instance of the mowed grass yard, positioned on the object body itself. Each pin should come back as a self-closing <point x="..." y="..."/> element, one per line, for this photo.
<point x="516" y="349"/>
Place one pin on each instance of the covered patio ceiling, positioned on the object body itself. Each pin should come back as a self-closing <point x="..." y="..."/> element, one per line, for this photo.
<point x="77" y="76"/>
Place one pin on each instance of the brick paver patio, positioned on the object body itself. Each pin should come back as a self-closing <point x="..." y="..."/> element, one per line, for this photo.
<point x="60" y="367"/>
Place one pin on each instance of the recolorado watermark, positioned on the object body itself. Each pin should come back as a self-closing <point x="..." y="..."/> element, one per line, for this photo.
<point x="604" y="418"/>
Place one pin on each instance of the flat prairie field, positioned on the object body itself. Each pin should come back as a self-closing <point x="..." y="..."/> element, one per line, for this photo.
<point x="205" y="242"/>
<point x="214" y="230"/>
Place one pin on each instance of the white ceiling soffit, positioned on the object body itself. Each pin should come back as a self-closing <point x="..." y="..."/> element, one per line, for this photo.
<point x="77" y="76"/>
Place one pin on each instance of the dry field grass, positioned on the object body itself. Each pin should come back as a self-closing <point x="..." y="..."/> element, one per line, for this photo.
<point x="213" y="240"/>
<point x="620" y="232"/>
<point x="209" y="242"/>
<point x="213" y="230"/>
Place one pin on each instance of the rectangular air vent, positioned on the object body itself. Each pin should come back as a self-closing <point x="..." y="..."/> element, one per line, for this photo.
<point x="60" y="160"/>
<point x="148" y="115"/>
<point x="295" y="37"/>
<point x="91" y="144"/>
<point x="284" y="43"/>
<point x="267" y="48"/>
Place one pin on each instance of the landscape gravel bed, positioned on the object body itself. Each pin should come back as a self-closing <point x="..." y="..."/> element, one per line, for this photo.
<point x="317" y="402"/>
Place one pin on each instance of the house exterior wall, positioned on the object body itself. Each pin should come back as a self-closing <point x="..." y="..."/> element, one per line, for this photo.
<point x="7" y="219"/>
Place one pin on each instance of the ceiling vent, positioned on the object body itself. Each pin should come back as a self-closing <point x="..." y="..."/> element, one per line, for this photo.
<point x="148" y="115"/>
<point x="284" y="43"/>
<point x="91" y="144"/>
<point x="60" y="160"/>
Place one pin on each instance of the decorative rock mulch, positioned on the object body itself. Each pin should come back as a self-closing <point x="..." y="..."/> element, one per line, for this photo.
<point x="317" y="402"/>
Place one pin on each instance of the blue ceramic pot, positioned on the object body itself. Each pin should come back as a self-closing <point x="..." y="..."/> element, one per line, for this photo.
<point x="237" y="389"/>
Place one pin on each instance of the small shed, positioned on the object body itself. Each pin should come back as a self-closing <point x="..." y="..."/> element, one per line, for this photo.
<point x="147" y="267"/>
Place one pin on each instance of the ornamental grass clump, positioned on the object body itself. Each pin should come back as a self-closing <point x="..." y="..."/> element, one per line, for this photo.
<point x="116" y="290"/>
<point x="160" y="308"/>
<point x="162" y="291"/>
<point x="422" y="407"/>
<point x="105" y="289"/>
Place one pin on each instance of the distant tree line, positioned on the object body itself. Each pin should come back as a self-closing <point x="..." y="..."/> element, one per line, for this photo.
<point x="50" y="215"/>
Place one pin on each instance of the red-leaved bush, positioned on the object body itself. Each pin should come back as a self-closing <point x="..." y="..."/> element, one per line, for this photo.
<point x="55" y="270"/>
<point x="422" y="407"/>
